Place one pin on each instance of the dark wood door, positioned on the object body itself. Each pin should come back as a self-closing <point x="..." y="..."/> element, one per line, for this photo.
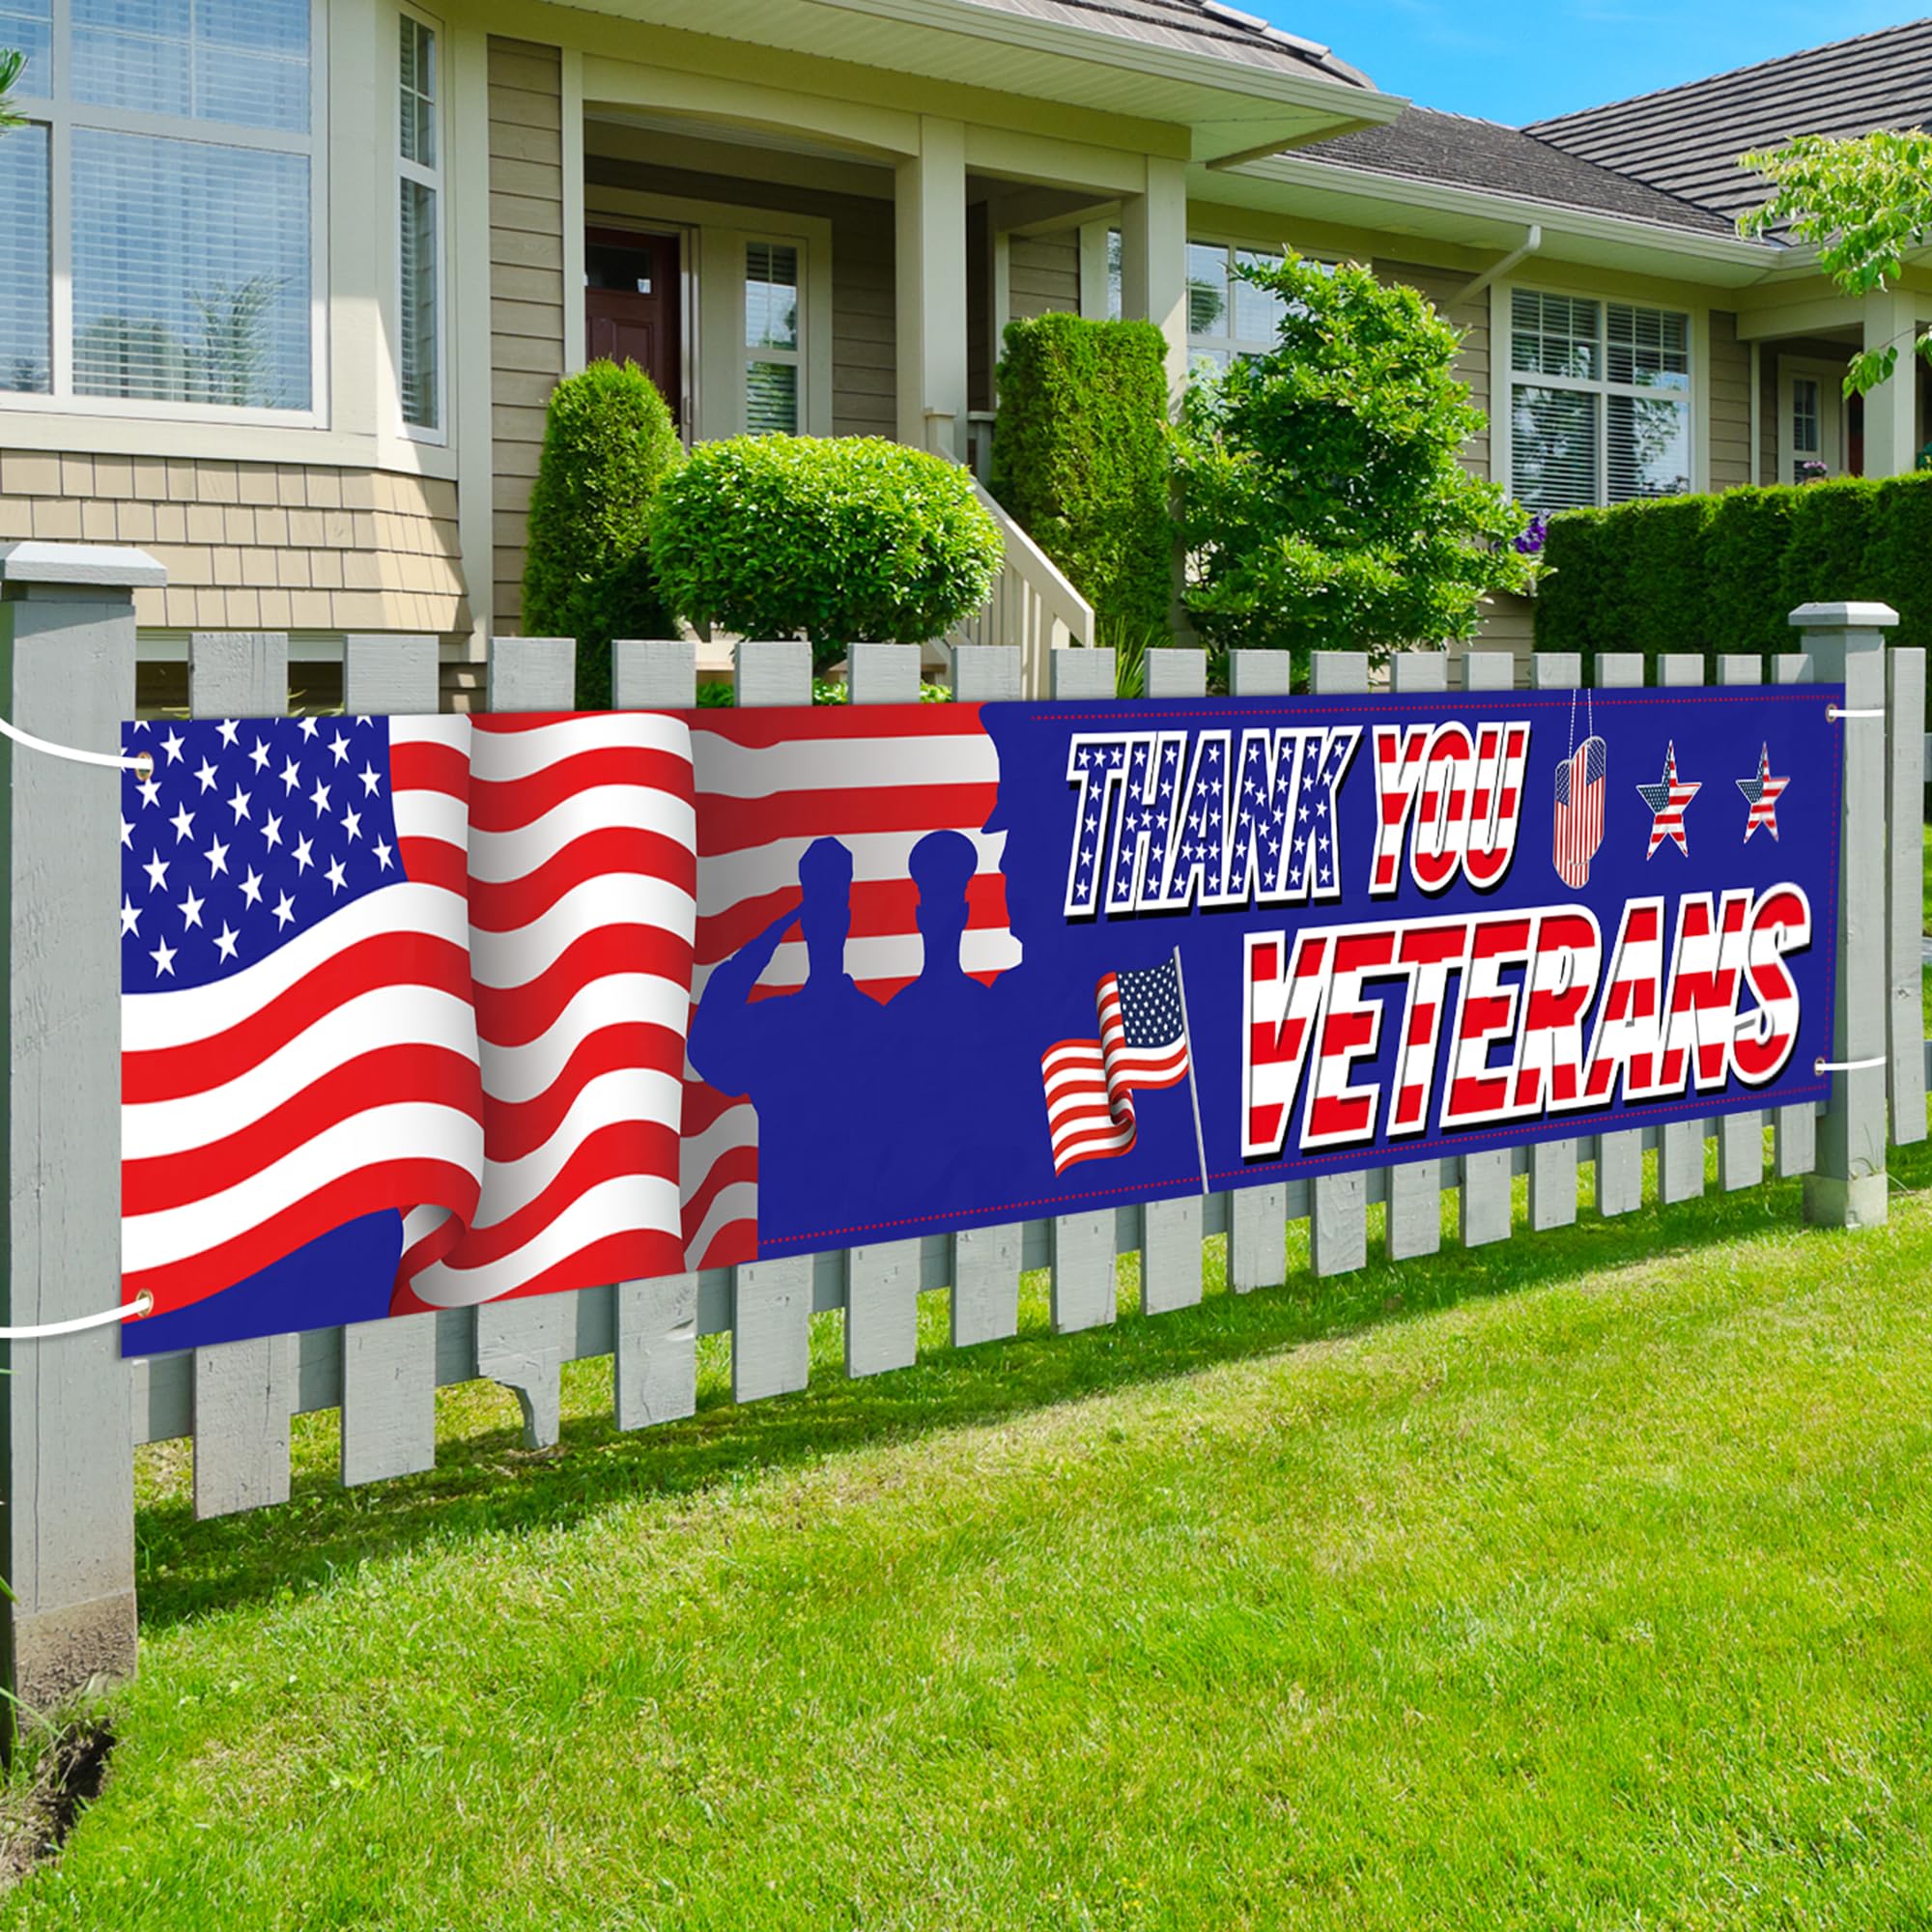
<point x="634" y="306"/>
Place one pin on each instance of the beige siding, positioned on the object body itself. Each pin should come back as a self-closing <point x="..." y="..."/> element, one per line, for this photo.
<point x="526" y="289"/>
<point x="255" y="546"/>
<point x="1472" y="319"/>
<point x="1729" y="391"/>
<point x="1043" y="274"/>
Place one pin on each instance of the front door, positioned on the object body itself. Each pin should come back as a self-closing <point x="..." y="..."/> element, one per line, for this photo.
<point x="1811" y="435"/>
<point x="634" y="306"/>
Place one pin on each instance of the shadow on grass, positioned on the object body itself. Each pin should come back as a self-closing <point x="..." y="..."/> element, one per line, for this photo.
<point x="485" y="1484"/>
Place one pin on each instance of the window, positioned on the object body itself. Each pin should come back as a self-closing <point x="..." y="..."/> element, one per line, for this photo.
<point x="772" y="353"/>
<point x="1599" y="401"/>
<point x="1807" y="428"/>
<point x="419" y="152"/>
<point x="1227" y="316"/>
<point x="179" y="137"/>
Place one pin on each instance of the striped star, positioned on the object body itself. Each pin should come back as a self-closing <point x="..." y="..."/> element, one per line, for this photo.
<point x="1762" y="793"/>
<point x="1668" y="799"/>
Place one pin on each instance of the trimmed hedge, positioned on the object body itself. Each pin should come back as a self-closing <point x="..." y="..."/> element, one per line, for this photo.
<point x="609" y="441"/>
<point x="841" y="540"/>
<point x="1723" y="573"/>
<point x="1080" y="458"/>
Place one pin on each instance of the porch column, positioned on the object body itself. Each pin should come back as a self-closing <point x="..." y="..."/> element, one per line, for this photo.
<point x="929" y="207"/>
<point x="1892" y="409"/>
<point x="1154" y="262"/>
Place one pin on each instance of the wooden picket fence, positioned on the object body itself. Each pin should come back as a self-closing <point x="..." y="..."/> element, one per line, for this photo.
<point x="77" y="1412"/>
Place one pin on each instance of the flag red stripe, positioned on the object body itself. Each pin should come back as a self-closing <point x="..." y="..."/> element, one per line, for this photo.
<point x="728" y="825"/>
<point x="520" y="1128"/>
<point x="516" y="1015"/>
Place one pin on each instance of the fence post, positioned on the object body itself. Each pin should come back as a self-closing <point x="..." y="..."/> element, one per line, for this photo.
<point x="66" y="673"/>
<point x="1847" y="1189"/>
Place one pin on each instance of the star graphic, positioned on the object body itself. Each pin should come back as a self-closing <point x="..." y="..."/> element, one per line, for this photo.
<point x="1668" y="799"/>
<point x="1762" y="793"/>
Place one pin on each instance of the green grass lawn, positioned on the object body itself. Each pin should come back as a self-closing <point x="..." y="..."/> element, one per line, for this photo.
<point x="1584" y="1582"/>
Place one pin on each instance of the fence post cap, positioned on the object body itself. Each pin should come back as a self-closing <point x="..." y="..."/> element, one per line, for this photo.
<point x="83" y="566"/>
<point x="1844" y="617"/>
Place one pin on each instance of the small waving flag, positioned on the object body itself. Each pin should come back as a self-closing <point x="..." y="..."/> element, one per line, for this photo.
<point x="1091" y="1083"/>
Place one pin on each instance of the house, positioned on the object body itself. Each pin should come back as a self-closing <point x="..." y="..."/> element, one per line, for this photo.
<point x="290" y="284"/>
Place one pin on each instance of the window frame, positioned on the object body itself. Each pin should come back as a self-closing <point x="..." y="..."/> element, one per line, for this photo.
<point x="1505" y="379"/>
<point x="433" y="179"/>
<point x="795" y="357"/>
<point x="1235" y="346"/>
<point x="62" y="115"/>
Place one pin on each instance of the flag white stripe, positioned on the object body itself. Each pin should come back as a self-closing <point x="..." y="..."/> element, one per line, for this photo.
<point x="503" y="960"/>
<point x="727" y="770"/>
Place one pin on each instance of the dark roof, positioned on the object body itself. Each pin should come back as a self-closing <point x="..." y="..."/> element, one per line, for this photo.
<point x="1195" y="26"/>
<point x="1423" y="145"/>
<point x="1687" y="140"/>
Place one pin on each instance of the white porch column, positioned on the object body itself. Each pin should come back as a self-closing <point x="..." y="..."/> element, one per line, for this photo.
<point x="1892" y="409"/>
<point x="931" y="271"/>
<point x="1154" y="262"/>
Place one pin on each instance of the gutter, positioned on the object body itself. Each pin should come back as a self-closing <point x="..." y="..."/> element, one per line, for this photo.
<point x="1532" y="241"/>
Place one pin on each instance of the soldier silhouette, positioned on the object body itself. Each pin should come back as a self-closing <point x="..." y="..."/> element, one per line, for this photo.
<point x="809" y="1060"/>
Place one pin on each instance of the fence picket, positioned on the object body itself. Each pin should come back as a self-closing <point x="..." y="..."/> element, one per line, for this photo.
<point x="1619" y="1155"/>
<point x="1795" y="1135"/>
<point x="1487" y="1188"/>
<point x="1552" y="1164"/>
<point x="984" y="1263"/>
<point x="389" y="1367"/>
<point x="882" y="1277"/>
<point x="1741" y="1136"/>
<point x="1171" y="1231"/>
<point x="1413" y="1218"/>
<point x="1083" y="1244"/>
<point x="1680" y="1144"/>
<point x="1905" y="777"/>
<point x="1338" y="1222"/>
<point x="244" y="1391"/>
<point x="1257" y="1216"/>
<point x="654" y="1373"/>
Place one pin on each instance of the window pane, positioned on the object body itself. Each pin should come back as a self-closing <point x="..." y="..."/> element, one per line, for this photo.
<point x="190" y="271"/>
<point x="1116" y="278"/>
<point x="771" y="398"/>
<point x="1553" y="448"/>
<point x="418" y="306"/>
<point x="1806" y="417"/>
<point x="23" y="289"/>
<point x="1257" y="312"/>
<point x="27" y="27"/>
<point x="1206" y="289"/>
<point x="1555" y="335"/>
<point x="240" y="61"/>
<point x="416" y="106"/>
<point x="770" y="296"/>
<point x="1649" y="447"/>
<point x="1649" y="348"/>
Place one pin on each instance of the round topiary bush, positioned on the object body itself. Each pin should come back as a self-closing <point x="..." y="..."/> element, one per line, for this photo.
<point x="843" y="540"/>
<point x="609" y="443"/>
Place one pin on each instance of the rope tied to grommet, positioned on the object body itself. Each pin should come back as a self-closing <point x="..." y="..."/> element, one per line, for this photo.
<point x="41" y="1331"/>
<point x="140" y="763"/>
<point x="1824" y="1065"/>
<point x="1833" y="712"/>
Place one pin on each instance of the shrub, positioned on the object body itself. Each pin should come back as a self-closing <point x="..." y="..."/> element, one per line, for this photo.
<point x="842" y="541"/>
<point x="1745" y="546"/>
<point x="609" y="441"/>
<point x="1080" y="458"/>
<point x="1324" y="500"/>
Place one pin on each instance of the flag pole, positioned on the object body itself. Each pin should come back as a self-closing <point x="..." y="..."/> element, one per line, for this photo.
<point x="1193" y="1091"/>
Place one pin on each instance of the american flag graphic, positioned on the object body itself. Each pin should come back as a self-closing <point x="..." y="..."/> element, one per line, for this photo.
<point x="1761" y="793"/>
<point x="768" y="784"/>
<point x="1667" y="800"/>
<point x="1580" y="811"/>
<point x="1091" y="1083"/>
<point x="439" y="965"/>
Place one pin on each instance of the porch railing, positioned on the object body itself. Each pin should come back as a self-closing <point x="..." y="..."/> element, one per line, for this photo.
<point x="1032" y="606"/>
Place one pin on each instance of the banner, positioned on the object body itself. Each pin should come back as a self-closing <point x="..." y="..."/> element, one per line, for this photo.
<point x="420" y="1013"/>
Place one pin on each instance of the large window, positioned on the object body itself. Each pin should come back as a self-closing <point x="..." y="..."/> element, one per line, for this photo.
<point x="1227" y="316"/>
<point x="419" y="152"/>
<point x="177" y="135"/>
<point x="773" y="361"/>
<point x="1599" y="401"/>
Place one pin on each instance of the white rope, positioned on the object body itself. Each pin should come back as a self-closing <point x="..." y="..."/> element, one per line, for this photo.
<point x="142" y="762"/>
<point x="43" y="1330"/>
<point x="1846" y="1065"/>
<point x="1836" y="711"/>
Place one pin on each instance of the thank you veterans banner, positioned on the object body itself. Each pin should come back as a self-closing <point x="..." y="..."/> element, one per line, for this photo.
<point x="420" y="1013"/>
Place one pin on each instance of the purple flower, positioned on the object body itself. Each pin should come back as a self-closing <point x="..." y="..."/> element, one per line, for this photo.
<point x="1531" y="543"/>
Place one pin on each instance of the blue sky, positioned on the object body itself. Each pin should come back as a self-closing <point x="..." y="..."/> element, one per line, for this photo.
<point x="1509" y="61"/>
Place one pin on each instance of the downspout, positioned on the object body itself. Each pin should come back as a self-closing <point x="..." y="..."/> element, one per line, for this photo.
<point x="1532" y="241"/>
